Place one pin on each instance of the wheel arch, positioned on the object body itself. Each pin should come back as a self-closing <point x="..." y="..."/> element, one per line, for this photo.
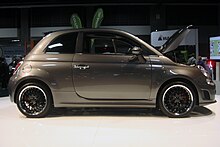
<point x="178" y="80"/>
<point x="32" y="80"/>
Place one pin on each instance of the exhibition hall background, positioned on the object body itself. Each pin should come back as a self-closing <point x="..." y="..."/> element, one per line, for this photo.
<point x="24" y="20"/>
<point x="24" y="23"/>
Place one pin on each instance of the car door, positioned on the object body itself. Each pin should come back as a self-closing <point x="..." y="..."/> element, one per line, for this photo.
<point x="105" y="69"/>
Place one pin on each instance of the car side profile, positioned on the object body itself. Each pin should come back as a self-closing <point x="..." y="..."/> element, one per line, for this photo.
<point x="106" y="68"/>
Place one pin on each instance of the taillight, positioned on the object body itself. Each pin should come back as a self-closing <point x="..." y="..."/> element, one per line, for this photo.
<point x="211" y="64"/>
<point x="17" y="66"/>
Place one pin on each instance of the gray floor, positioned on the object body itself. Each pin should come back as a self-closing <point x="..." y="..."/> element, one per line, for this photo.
<point x="109" y="127"/>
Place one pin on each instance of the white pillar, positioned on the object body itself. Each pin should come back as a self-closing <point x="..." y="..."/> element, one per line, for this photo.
<point x="217" y="71"/>
<point x="197" y="43"/>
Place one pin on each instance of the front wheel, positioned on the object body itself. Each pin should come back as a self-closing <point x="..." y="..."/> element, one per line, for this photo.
<point x="34" y="100"/>
<point x="177" y="99"/>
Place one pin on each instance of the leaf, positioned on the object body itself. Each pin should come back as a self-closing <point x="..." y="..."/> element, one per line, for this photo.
<point x="97" y="19"/>
<point x="75" y="21"/>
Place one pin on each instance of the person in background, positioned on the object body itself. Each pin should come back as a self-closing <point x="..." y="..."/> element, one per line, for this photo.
<point x="191" y="60"/>
<point x="4" y="73"/>
<point x="207" y="67"/>
<point x="203" y="63"/>
<point x="12" y="65"/>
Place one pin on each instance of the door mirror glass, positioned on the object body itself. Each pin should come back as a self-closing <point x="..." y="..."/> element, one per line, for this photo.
<point x="136" y="51"/>
<point x="137" y="55"/>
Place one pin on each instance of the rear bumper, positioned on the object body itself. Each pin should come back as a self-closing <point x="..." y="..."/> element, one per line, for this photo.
<point x="11" y="88"/>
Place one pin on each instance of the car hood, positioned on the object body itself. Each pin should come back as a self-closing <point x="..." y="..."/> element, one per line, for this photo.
<point x="173" y="42"/>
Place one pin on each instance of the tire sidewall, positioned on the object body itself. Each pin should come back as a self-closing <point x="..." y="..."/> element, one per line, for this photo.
<point x="162" y="107"/>
<point x="48" y="104"/>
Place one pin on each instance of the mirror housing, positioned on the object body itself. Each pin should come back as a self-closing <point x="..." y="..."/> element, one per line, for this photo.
<point x="136" y="51"/>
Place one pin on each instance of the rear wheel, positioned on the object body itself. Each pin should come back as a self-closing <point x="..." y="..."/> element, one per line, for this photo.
<point x="177" y="99"/>
<point x="34" y="100"/>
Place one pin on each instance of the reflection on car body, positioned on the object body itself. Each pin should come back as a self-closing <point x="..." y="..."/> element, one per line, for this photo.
<point x="106" y="68"/>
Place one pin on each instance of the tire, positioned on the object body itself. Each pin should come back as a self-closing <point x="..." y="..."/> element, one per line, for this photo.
<point x="34" y="100"/>
<point x="177" y="99"/>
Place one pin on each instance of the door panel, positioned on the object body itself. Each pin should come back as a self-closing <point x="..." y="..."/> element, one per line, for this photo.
<point x="110" y="77"/>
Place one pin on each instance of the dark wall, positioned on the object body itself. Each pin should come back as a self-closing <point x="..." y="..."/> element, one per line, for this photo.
<point x="126" y="15"/>
<point x="54" y="16"/>
<point x="9" y="18"/>
<point x="191" y="14"/>
<point x="115" y="15"/>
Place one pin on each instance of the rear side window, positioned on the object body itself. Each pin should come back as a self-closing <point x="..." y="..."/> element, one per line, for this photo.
<point x="64" y="44"/>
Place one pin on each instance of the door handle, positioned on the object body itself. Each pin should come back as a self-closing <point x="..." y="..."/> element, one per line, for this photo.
<point x="81" y="67"/>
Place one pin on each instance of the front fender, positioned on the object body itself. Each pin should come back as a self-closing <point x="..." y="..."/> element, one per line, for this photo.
<point x="172" y="73"/>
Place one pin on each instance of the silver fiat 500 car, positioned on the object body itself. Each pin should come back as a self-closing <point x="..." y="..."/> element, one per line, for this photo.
<point x="107" y="68"/>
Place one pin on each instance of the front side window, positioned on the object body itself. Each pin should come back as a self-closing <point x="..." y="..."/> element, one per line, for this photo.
<point x="123" y="46"/>
<point x="98" y="43"/>
<point x="102" y="45"/>
<point x="64" y="44"/>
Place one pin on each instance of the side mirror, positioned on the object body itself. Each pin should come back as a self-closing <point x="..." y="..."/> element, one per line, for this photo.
<point x="136" y="51"/>
<point x="137" y="55"/>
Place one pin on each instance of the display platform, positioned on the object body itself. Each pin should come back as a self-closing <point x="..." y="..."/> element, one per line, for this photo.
<point x="109" y="128"/>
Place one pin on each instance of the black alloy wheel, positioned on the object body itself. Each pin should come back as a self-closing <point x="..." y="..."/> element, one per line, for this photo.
<point x="34" y="100"/>
<point x="177" y="99"/>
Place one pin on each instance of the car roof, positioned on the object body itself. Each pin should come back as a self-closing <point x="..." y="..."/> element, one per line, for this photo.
<point x="89" y="30"/>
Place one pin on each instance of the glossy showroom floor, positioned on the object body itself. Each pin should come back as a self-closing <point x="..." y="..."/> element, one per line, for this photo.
<point x="109" y="128"/>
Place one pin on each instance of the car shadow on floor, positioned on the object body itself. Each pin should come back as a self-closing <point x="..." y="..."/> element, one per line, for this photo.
<point x="201" y="111"/>
<point x="104" y="112"/>
<point x="150" y="112"/>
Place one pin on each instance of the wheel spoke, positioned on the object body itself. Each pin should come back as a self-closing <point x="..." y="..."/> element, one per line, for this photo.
<point x="177" y="100"/>
<point x="32" y="100"/>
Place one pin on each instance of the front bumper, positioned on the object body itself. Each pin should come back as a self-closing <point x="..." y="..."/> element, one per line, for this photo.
<point x="207" y="103"/>
<point x="207" y="93"/>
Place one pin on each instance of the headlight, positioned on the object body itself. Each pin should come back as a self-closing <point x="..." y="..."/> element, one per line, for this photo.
<point x="210" y="82"/>
<point x="204" y="72"/>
